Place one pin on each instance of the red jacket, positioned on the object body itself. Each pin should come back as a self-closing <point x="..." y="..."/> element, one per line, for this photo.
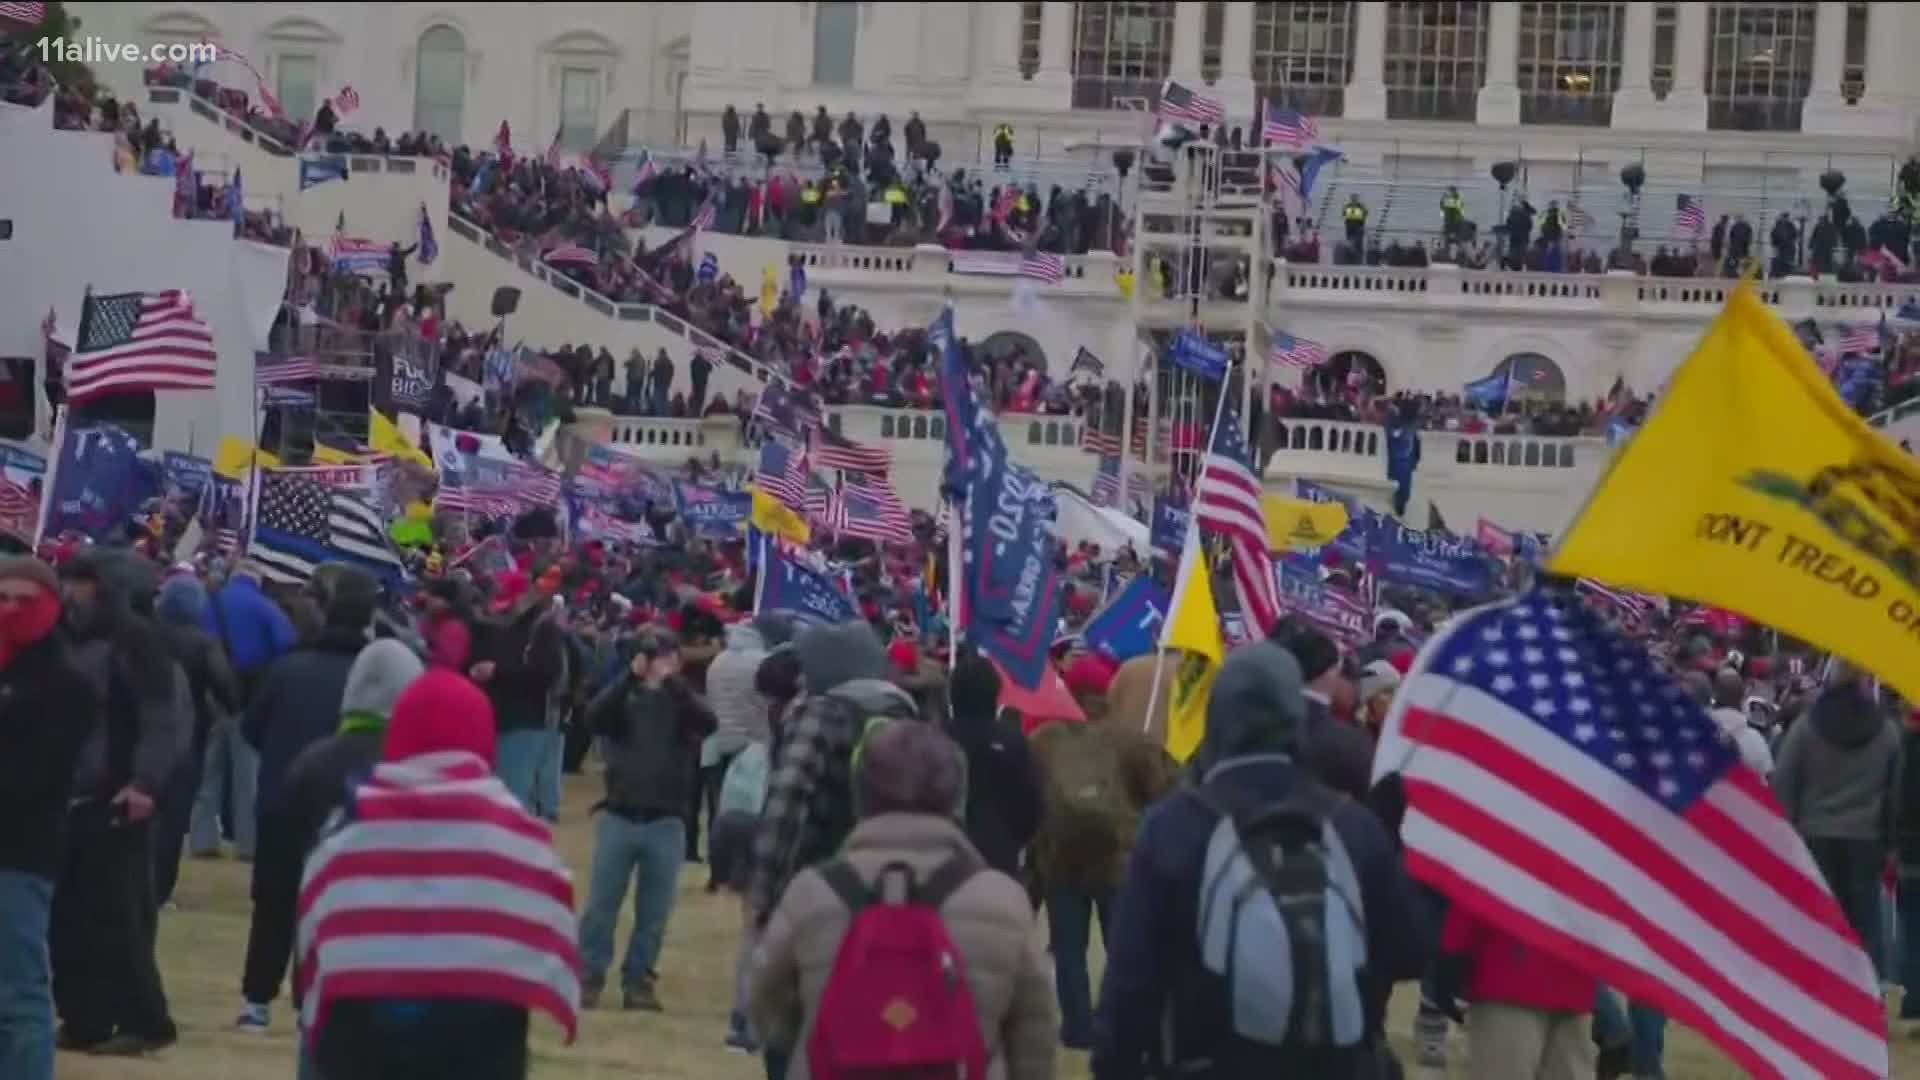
<point x="1503" y="970"/>
<point x="449" y="643"/>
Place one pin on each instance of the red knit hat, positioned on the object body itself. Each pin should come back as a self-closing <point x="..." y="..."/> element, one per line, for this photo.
<point x="440" y="711"/>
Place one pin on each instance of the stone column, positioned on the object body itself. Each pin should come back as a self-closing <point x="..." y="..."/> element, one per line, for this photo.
<point x="1366" y="97"/>
<point x="1189" y="26"/>
<point x="1235" y="87"/>
<point x="1056" y="43"/>
<point x="1499" y="101"/>
<point x="1686" y="105"/>
<point x="1824" y="105"/>
<point x="1634" y="100"/>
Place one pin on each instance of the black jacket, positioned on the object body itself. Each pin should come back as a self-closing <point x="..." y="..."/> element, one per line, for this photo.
<point x="315" y="786"/>
<point x="528" y="657"/>
<point x="653" y="743"/>
<point x="1003" y="790"/>
<point x="298" y="703"/>
<point x="47" y="710"/>
<point x="215" y="688"/>
<point x="1907" y="812"/>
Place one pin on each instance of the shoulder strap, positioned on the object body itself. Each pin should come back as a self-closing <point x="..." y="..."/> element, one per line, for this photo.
<point x="946" y="879"/>
<point x="846" y="883"/>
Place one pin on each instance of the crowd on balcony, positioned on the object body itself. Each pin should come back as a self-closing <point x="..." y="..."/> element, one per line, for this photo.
<point x="1456" y="413"/>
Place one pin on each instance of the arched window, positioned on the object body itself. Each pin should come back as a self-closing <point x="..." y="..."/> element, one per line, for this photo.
<point x="1350" y="369"/>
<point x="836" y="29"/>
<point x="1532" y="377"/>
<point x="1303" y="54"/>
<point x="440" y="83"/>
<point x="1570" y="62"/>
<point x="296" y="78"/>
<point x="1759" y="64"/>
<point x="1121" y="50"/>
<point x="1436" y="57"/>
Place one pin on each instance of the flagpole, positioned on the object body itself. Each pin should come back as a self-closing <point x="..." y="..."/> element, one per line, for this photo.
<point x="954" y="554"/>
<point x="760" y="573"/>
<point x="1179" y="579"/>
<point x="47" y="484"/>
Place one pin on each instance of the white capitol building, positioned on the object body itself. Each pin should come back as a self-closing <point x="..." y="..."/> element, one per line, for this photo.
<point x="1742" y="106"/>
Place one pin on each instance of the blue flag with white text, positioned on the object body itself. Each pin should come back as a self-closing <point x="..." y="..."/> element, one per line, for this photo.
<point x="1129" y="625"/>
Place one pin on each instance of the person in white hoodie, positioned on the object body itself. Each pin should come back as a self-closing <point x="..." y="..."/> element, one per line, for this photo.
<point x="1729" y="694"/>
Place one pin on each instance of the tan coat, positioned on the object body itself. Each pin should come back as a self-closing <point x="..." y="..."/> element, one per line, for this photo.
<point x="1127" y="697"/>
<point x="988" y="917"/>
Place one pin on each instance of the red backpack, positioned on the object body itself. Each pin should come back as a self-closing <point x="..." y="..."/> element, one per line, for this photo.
<point x="897" y="1005"/>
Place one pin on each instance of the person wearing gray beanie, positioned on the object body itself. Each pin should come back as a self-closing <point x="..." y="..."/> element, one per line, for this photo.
<point x="315" y="785"/>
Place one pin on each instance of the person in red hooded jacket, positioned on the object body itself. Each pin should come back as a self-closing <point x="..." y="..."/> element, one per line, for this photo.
<point x="1527" y="1010"/>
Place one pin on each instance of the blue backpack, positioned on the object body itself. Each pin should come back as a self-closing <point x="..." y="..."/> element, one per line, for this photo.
<point x="1281" y="921"/>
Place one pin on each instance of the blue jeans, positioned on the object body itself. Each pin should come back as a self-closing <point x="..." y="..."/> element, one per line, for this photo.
<point x="546" y="777"/>
<point x="1645" y="1031"/>
<point x="1069" y="924"/>
<point x="1909" y="909"/>
<point x="517" y="760"/>
<point x="226" y="783"/>
<point x="26" y="977"/>
<point x="649" y="852"/>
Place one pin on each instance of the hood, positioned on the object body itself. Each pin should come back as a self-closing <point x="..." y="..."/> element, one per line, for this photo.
<point x="182" y="602"/>
<point x="746" y="638"/>
<point x="1847" y="717"/>
<point x="120" y="576"/>
<point x="877" y="697"/>
<point x="440" y="711"/>
<point x="378" y="676"/>
<point x="833" y="654"/>
<point x="1257" y="704"/>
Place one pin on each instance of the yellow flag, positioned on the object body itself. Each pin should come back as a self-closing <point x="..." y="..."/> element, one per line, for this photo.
<point x="1194" y="627"/>
<point x="385" y="438"/>
<point x="327" y="455"/>
<point x="1297" y="524"/>
<point x="772" y="517"/>
<point x="236" y="455"/>
<point x="1753" y="487"/>
<point x="769" y="291"/>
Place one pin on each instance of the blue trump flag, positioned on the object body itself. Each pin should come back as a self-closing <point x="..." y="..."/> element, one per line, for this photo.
<point x="1009" y="586"/>
<point x="791" y="586"/>
<point x="319" y="170"/>
<point x="1196" y="354"/>
<point x="1129" y="625"/>
<point x="1427" y="560"/>
<point x="711" y="510"/>
<point x="1169" y="524"/>
<point x="1490" y="392"/>
<point x="97" y="484"/>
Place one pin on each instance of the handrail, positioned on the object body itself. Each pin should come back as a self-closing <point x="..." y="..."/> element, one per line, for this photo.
<point x="674" y="324"/>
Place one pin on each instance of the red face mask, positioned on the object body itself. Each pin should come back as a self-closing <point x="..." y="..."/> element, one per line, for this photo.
<point x="25" y="620"/>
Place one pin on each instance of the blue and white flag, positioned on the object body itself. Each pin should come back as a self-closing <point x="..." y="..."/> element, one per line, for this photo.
<point x="97" y="484"/>
<point x="1196" y="354"/>
<point x="319" y="170"/>
<point x="1129" y="625"/>
<point x="791" y="586"/>
<point x="712" y="511"/>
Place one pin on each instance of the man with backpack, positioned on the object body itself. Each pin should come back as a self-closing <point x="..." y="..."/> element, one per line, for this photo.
<point x="1098" y="778"/>
<point x="906" y="955"/>
<point x="1264" y="918"/>
<point x="847" y="686"/>
<point x="1003" y="802"/>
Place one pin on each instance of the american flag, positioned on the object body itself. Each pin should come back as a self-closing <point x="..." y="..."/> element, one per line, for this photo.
<point x="783" y="473"/>
<point x="19" y="509"/>
<point x="703" y="217"/>
<point x="571" y="255"/>
<point x="455" y="498"/>
<point x="302" y="524"/>
<point x="1098" y="442"/>
<point x="1289" y="128"/>
<point x="537" y="485"/>
<point x="1179" y="105"/>
<point x="787" y="409"/>
<point x="358" y="255"/>
<point x="1106" y="481"/>
<point x="1229" y="504"/>
<point x="140" y="341"/>
<point x="1043" y="266"/>
<point x="347" y="100"/>
<point x="1861" y="338"/>
<point x="1564" y="789"/>
<point x="278" y="369"/>
<point x="869" y="509"/>
<point x="1689" y="216"/>
<point x="23" y="14"/>
<point x="1295" y="352"/>
<point x="832" y="450"/>
<point x="1635" y="608"/>
<point x="502" y="900"/>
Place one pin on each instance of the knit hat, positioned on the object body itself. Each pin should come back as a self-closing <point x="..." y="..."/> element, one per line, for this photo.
<point x="182" y="601"/>
<point x="379" y="674"/>
<point x="833" y="654"/>
<point x="439" y="712"/>
<point x="1379" y="677"/>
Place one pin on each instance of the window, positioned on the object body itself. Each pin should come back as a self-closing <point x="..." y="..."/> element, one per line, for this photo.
<point x="1213" y="27"/>
<point x="1436" y="56"/>
<point x="836" y="26"/>
<point x="1759" y="64"/>
<point x="1570" y="62"/>
<point x="440" y="83"/>
<point x="1853" y="71"/>
<point x="1532" y="377"/>
<point x="579" y="107"/>
<point x="294" y="78"/>
<point x="1030" y="22"/>
<point x="1303" y="54"/>
<point x="1666" y="29"/>
<point x="1121" y="52"/>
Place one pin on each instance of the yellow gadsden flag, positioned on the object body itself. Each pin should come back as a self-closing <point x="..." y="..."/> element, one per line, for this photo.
<point x="1193" y="626"/>
<point x="1753" y="487"/>
<point x="1298" y="524"/>
<point x="385" y="438"/>
<point x="774" y="519"/>
<point x="236" y="456"/>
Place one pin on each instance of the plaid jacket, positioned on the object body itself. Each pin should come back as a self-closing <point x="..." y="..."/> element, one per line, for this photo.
<point x="809" y="807"/>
